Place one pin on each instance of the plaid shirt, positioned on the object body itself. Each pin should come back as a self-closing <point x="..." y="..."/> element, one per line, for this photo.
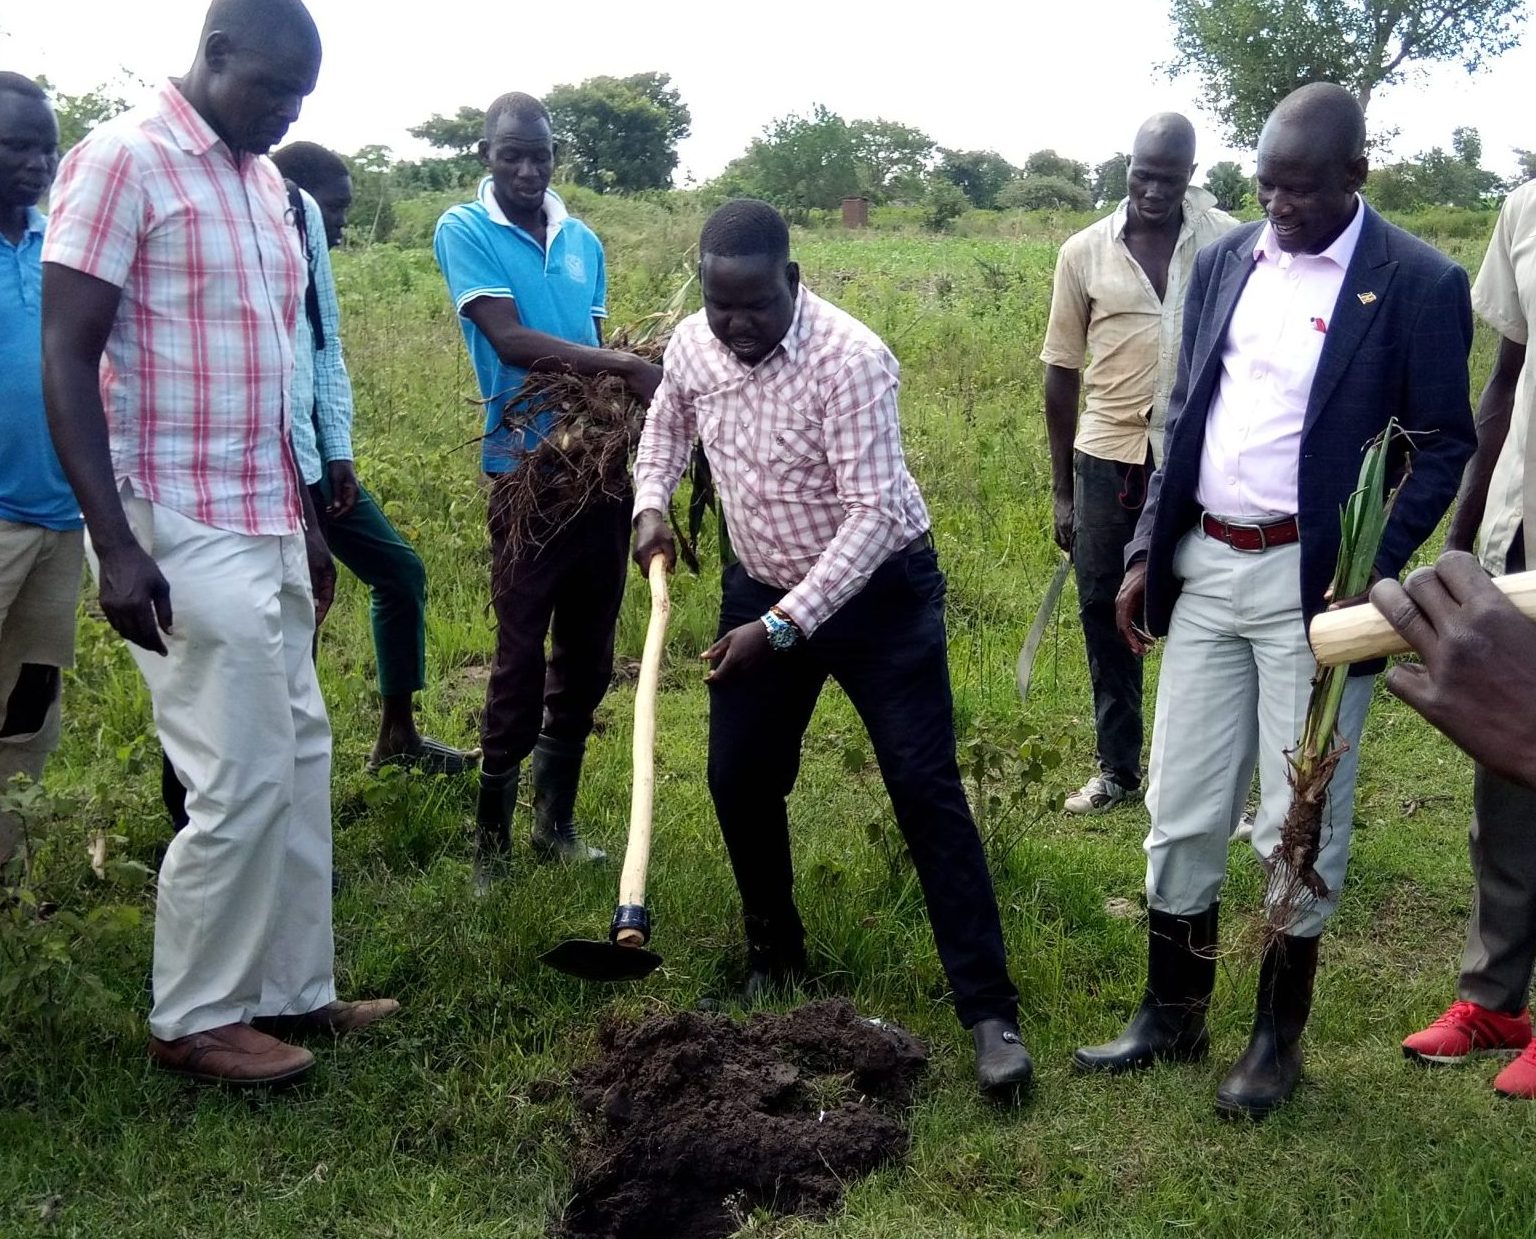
<point x="196" y="370"/>
<point x="805" y="448"/>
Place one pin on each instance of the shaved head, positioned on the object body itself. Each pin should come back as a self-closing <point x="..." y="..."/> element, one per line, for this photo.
<point x="256" y="21"/>
<point x="1320" y="113"/>
<point x="1166" y="135"/>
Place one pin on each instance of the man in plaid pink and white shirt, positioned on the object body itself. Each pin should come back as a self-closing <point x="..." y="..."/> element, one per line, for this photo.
<point x="171" y="291"/>
<point x="795" y="402"/>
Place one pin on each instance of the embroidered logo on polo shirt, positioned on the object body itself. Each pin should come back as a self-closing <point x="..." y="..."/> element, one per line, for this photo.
<point x="575" y="266"/>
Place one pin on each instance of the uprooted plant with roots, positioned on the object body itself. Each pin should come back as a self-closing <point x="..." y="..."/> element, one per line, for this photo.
<point x="1317" y="753"/>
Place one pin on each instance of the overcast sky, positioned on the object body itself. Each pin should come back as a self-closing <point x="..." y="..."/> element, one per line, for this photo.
<point x="1077" y="76"/>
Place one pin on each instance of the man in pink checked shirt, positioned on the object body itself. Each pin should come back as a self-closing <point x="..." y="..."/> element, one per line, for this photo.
<point x="172" y="285"/>
<point x="795" y="402"/>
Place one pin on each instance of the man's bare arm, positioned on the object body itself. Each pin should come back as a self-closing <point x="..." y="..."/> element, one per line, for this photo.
<point x="519" y="345"/>
<point x="78" y="313"/>
<point x="1494" y="411"/>
<point x="1062" y="389"/>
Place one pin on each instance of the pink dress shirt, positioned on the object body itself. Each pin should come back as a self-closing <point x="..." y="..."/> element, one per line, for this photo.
<point x="1252" y="452"/>
<point x="805" y="448"/>
<point x="196" y="373"/>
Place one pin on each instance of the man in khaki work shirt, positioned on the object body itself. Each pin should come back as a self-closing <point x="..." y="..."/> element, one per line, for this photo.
<point x="1119" y="298"/>
<point x="1497" y="509"/>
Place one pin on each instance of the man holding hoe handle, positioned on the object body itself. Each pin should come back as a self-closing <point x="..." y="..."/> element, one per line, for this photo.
<point x="795" y="402"/>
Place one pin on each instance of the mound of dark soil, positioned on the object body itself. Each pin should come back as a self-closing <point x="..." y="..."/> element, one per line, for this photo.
<point x="698" y="1119"/>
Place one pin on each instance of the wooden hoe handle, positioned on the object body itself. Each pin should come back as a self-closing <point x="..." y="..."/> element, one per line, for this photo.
<point x="637" y="854"/>
<point x="1357" y="634"/>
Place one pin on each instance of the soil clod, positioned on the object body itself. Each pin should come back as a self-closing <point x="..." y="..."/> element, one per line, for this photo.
<point x="695" y="1120"/>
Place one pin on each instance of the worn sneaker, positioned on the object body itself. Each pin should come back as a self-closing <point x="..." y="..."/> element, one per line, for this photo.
<point x="1519" y="1078"/>
<point x="1099" y="795"/>
<point x="1466" y="1031"/>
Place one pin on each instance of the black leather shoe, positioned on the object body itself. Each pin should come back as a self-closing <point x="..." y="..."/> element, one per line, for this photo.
<point x="493" y="828"/>
<point x="1169" y="1026"/>
<point x="1268" y="1072"/>
<point x="1003" y="1065"/>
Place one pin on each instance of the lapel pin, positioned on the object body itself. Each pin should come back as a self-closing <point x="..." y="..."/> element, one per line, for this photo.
<point x="1366" y="298"/>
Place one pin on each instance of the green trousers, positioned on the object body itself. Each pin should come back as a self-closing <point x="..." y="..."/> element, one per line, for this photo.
<point x="371" y="548"/>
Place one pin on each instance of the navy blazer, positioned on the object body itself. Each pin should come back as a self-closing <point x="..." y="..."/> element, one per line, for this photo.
<point x="1397" y="346"/>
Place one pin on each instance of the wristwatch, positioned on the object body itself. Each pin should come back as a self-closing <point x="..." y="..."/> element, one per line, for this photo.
<point x="783" y="632"/>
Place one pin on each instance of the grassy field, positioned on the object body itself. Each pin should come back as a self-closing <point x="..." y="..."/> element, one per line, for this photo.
<point x="444" y="1124"/>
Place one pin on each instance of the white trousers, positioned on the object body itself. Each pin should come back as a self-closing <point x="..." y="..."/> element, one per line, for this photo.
<point x="243" y="914"/>
<point x="1232" y="692"/>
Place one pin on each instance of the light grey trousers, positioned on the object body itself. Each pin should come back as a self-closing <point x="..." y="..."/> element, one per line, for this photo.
<point x="1232" y="693"/>
<point x="1501" y="934"/>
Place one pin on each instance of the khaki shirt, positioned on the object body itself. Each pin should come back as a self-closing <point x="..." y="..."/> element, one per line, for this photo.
<point x="1104" y="307"/>
<point x="1504" y="296"/>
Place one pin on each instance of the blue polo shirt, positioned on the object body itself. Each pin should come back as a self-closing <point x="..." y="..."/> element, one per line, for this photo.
<point x="33" y="489"/>
<point x="559" y="289"/>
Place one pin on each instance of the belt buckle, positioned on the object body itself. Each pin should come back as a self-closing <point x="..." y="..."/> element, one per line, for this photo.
<point x="1258" y="529"/>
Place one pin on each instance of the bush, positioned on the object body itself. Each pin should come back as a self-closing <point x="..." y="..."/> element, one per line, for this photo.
<point x="1044" y="193"/>
<point x="943" y="204"/>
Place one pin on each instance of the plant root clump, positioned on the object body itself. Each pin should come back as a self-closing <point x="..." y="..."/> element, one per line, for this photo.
<point x="694" y="1120"/>
<point x="1294" y="860"/>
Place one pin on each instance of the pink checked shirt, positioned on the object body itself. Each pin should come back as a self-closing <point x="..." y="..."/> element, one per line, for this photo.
<point x="196" y="371"/>
<point x="805" y="448"/>
<point x="1249" y="465"/>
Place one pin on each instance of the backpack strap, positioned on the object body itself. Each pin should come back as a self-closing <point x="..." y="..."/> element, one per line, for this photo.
<point x="311" y="295"/>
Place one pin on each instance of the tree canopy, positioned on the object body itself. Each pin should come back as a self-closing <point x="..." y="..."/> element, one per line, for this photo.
<point x="1249" y="54"/>
<point x="619" y="133"/>
<point x="979" y="175"/>
<point x="1229" y="185"/>
<point x="79" y="114"/>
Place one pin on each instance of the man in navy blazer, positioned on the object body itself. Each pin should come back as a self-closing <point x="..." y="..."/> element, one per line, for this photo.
<point x="1303" y="335"/>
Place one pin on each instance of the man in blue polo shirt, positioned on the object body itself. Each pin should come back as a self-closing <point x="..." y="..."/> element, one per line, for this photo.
<point x="41" y="544"/>
<point x="530" y="284"/>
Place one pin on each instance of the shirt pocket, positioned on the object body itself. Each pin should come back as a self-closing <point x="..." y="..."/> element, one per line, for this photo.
<point x="795" y="455"/>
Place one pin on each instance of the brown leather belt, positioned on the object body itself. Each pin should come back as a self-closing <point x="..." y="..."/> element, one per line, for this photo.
<point x="1252" y="538"/>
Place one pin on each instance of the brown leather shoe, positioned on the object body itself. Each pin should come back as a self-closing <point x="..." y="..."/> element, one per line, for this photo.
<point x="235" y="1054"/>
<point x="335" y="1019"/>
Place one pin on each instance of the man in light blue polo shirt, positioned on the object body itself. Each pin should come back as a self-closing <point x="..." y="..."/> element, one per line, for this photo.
<point x="41" y="543"/>
<point x="529" y="283"/>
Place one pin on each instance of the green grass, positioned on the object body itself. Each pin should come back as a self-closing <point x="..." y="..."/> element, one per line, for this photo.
<point x="443" y="1123"/>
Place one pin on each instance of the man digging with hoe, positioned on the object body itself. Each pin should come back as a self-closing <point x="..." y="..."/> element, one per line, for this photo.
<point x="795" y="402"/>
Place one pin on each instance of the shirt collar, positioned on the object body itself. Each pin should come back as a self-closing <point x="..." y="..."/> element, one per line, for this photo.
<point x="555" y="213"/>
<point x="794" y="338"/>
<point x="1197" y="202"/>
<point x="1339" y="253"/>
<point x="36" y="221"/>
<point x="192" y="133"/>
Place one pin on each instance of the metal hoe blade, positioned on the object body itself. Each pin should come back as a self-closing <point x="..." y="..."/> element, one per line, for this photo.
<point x="1026" y="665"/>
<point x="591" y="960"/>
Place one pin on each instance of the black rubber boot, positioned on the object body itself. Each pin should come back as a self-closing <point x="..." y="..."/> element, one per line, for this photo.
<point x="1268" y="1072"/>
<point x="493" y="827"/>
<point x="1003" y="1066"/>
<point x="1169" y="1026"/>
<point x="556" y="770"/>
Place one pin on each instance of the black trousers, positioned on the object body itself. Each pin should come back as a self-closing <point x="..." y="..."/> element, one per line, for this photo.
<point x="569" y="589"/>
<point x="1107" y="500"/>
<point x="886" y="648"/>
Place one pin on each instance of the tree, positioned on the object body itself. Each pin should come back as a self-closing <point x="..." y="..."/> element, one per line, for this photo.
<point x="1436" y="177"/>
<point x="892" y="159"/>
<point x="1249" y="54"/>
<point x="79" y="114"/>
<point x="1049" y="163"/>
<point x="978" y="174"/>
<point x="1229" y="185"/>
<point x="1527" y="165"/>
<point x="1044" y="193"/>
<point x="371" y="215"/>
<point x="944" y="203"/>
<point x="619" y="133"/>
<point x="458" y="134"/>
<point x="1109" y="183"/>
<point x="803" y="163"/>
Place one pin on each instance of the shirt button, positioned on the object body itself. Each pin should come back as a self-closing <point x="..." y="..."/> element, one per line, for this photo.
<point x="1231" y="481"/>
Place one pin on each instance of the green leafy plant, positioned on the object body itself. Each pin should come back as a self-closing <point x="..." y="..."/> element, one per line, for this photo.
<point x="1320" y="748"/>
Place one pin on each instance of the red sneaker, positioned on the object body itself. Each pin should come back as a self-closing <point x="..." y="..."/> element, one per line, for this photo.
<point x="1519" y="1078"/>
<point x="1466" y="1031"/>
